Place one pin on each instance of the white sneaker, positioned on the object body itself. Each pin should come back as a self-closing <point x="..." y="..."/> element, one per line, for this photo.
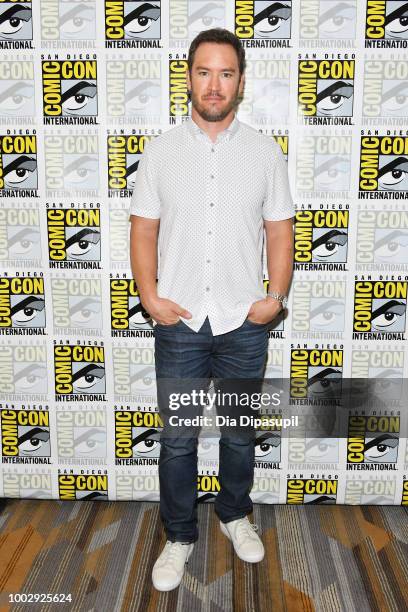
<point x="169" y="567"/>
<point x="247" y="543"/>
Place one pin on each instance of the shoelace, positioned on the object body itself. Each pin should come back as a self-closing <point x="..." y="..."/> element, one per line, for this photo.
<point x="246" y="528"/>
<point x="171" y="551"/>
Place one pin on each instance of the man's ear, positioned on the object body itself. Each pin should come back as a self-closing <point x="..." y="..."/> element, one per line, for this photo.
<point x="241" y="84"/>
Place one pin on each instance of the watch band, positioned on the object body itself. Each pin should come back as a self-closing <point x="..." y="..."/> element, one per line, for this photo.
<point x="280" y="298"/>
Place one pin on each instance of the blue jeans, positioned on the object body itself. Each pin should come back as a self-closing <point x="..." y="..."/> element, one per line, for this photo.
<point x="181" y="353"/>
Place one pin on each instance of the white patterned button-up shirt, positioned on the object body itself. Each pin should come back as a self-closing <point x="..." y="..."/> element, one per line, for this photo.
<point x="211" y="199"/>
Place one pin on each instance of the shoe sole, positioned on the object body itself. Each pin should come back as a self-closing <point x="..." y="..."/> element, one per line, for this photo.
<point x="171" y="588"/>
<point x="253" y="560"/>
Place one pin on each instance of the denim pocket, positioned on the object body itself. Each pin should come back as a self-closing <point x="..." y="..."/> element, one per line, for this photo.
<point x="170" y="325"/>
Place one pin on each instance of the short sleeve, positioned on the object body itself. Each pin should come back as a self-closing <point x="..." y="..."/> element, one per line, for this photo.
<point x="145" y="201"/>
<point x="278" y="203"/>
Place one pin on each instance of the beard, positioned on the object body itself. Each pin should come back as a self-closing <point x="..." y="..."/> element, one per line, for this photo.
<point x="213" y="114"/>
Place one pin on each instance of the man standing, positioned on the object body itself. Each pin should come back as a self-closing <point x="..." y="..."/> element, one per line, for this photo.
<point x="204" y="193"/>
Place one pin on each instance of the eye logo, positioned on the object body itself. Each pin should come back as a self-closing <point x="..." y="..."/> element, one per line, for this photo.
<point x="267" y="447"/>
<point x="18" y="164"/>
<point x="23" y="304"/>
<point x="15" y="21"/>
<point x="260" y="19"/>
<point x="328" y="20"/>
<point x="132" y="20"/>
<point x="70" y="91"/>
<point x="385" y="90"/>
<point x="124" y="152"/>
<point x="373" y="439"/>
<point x="25" y="433"/>
<point x="137" y="434"/>
<point x="17" y="89"/>
<point x="79" y="372"/>
<point x="386" y="23"/>
<point x="383" y="166"/>
<point x="74" y="237"/>
<point x="321" y="236"/>
<point x="316" y="373"/>
<point x="380" y="309"/>
<point x="326" y="89"/>
<point x="127" y="312"/>
<point x="73" y="21"/>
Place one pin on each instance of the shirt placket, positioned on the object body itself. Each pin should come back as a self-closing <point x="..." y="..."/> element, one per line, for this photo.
<point x="211" y="201"/>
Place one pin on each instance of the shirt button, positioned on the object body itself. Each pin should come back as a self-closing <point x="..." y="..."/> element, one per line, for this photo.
<point x="207" y="288"/>
<point x="208" y="260"/>
<point x="212" y="149"/>
<point x="212" y="204"/>
<point x="212" y="176"/>
<point x="209" y="232"/>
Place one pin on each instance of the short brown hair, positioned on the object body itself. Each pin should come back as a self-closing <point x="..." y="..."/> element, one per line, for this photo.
<point x="220" y="36"/>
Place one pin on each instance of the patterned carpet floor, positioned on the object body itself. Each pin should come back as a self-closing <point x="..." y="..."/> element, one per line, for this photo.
<point x="318" y="558"/>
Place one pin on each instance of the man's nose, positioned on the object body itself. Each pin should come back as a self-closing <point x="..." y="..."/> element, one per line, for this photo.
<point x="214" y="82"/>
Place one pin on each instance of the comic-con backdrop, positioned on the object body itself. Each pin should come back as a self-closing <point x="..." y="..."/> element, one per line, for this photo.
<point x="84" y="85"/>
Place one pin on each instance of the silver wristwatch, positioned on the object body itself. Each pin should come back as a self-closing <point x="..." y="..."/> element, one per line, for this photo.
<point x="281" y="298"/>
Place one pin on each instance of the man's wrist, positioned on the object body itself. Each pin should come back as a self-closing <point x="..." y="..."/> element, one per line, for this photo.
<point x="278" y="297"/>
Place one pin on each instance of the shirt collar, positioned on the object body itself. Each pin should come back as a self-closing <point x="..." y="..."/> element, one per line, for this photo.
<point x="226" y="134"/>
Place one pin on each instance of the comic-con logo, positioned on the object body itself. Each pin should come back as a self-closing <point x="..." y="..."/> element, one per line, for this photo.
<point x="23" y="372"/>
<point x="318" y="308"/>
<point x="17" y="99"/>
<point x="118" y="235"/>
<point x="383" y="167"/>
<point x="385" y="91"/>
<point x="263" y="23"/>
<point x="327" y="22"/>
<point x="404" y="500"/>
<point x="22" y="305"/>
<point x="361" y="489"/>
<point x="16" y="26"/>
<point x="382" y="364"/>
<point x="127" y="312"/>
<point x="325" y="91"/>
<point x="74" y="237"/>
<point x="133" y="90"/>
<point x="321" y="239"/>
<point x="20" y="237"/>
<point x="379" y="310"/>
<point x="382" y="240"/>
<point x="132" y="23"/>
<point x="311" y="491"/>
<point x="25" y="433"/>
<point x="134" y="375"/>
<point x="71" y="165"/>
<point x="70" y="91"/>
<point x="81" y="434"/>
<point x="79" y="372"/>
<point x="66" y="21"/>
<point x="77" y="305"/>
<point x="18" y="165"/>
<point x="267" y="91"/>
<point x="137" y="435"/>
<point x="124" y="152"/>
<point x="178" y="92"/>
<point x="86" y="487"/>
<point x="386" y="24"/>
<point x="315" y="373"/>
<point x="323" y="165"/>
<point x="187" y="18"/>
<point x="372" y="439"/>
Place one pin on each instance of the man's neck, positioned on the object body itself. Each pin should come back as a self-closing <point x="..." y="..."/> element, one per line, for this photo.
<point x="212" y="128"/>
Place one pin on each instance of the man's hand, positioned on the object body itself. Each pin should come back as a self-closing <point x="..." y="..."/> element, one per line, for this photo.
<point x="165" y="311"/>
<point x="264" y="311"/>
